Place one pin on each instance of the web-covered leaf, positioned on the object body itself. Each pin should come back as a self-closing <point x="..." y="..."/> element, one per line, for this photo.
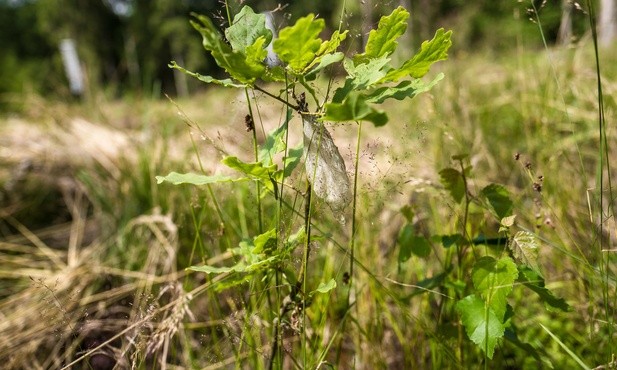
<point x="382" y="41"/>
<point x="525" y="248"/>
<point x="481" y="323"/>
<point x="325" y="167"/>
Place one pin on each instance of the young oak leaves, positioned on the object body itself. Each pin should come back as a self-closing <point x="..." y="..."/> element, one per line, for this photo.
<point x="241" y="51"/>
<point x="370" y="74"/>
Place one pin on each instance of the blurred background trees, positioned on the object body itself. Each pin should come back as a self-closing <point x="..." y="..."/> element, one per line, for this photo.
<point x="125" y="45"/>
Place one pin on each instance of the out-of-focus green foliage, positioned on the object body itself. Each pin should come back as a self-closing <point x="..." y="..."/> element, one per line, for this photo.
<point x="128" y="52"/>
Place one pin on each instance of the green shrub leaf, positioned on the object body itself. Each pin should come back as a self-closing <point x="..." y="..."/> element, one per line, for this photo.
<point x="499" y="199"/>
<point x="274" y="143"/>
<point x="494" y="279"/>
<point x="525" y="248"/>
<point x="247" y="27"/>
<point x="452" y="180"/>
<point x="534" y="281"/>
<point x="382" y="41"/>
<point x="430" y="52"/>
<point x="264" y="243"/>
<point x="254" y="169"/>
<point x="267" y="175"/>
<point x="297" y="45"/>
<point x="481" y="323"/>
<point x="410" y="243"/>
<point x="326" y="287"/>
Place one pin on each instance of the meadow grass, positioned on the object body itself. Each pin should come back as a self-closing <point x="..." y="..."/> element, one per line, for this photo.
<point x="105" y="278"/>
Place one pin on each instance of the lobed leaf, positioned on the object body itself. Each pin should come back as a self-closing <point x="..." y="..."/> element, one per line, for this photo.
<point x="405" y="89"/>
<point x="354" y="108"/>
<point x="297" y="45"/>
<point x="324" y="61"/>
<point x="246" y="28"/>
<point x="236" y="63"/>
<point x="430" y="52"/>
<point x="481" y="323"/>
<point x="382" y="41"/>
<point x="207" y="79"/>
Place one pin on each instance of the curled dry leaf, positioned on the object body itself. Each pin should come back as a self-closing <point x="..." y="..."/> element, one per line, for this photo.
<point x="324" y="165"/>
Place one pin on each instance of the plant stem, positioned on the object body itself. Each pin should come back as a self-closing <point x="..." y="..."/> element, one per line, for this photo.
<point x="256" y="152"/>
<point x="286" y="102"/>
<point x="352" y="242"/>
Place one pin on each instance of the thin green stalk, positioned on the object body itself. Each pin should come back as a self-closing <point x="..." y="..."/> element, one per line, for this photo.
<point x="256" y="153"/>
<point x="354" y="223"/>
<point x="604" y="162"/>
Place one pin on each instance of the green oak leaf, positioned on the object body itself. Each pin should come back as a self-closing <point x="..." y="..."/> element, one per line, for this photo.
<point x="207" y="79"/>
<point x="430" y="52"/>
<point x="236" y="63"/>
<point x="382" y="41"/>
<point x="255" y="53"/>
<point x="297" y="45"/>
<point x="405" y="89"/>
<point x="331" y="45"/>
<point x="324" y="61"/>
<point x="494" y="280"/>
<point x="354" y="108"/>
<point x="246" y="28"/>
<point x="481" y="323"/>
